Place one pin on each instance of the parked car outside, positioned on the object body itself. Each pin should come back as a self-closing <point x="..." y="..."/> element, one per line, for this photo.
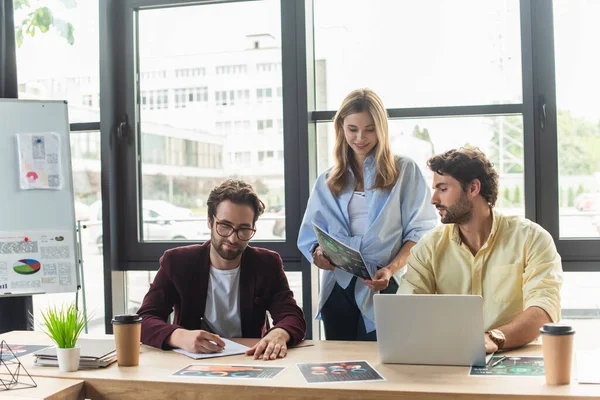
<point x="587" y="202"/>
<point x="162" y="221"/>
<point x="279" y="226"/>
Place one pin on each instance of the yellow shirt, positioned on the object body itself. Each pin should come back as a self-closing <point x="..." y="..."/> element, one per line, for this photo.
<point x="517" y="267"/>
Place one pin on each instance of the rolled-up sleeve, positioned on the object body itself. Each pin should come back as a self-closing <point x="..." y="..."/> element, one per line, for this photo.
<point x="418" y="215"/>
<point x="543" y="274"/>
<point x="419" y="277"/>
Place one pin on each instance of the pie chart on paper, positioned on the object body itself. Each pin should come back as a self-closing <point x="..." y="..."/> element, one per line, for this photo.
<point x="26" y="266"/>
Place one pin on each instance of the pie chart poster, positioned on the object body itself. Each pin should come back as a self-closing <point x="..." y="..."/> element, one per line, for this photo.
<point x="36" y="262"/>
<point x="23" y="273"/>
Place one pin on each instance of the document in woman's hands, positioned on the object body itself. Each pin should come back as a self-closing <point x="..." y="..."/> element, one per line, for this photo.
<point x="340" y="255"/>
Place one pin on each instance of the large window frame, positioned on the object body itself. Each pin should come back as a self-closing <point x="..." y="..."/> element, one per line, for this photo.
<point x="120" y="127"/>
<point x="121" y="160"/>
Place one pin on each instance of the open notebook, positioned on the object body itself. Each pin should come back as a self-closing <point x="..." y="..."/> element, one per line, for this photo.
<point x="231" y="348"/>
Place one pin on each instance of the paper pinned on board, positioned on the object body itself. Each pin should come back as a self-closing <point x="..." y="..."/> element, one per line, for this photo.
<point x="37" y="261"/>
<point x="39" y="156"/>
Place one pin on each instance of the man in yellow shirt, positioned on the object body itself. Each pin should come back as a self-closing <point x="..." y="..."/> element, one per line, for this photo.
<point x="510" y="261"/>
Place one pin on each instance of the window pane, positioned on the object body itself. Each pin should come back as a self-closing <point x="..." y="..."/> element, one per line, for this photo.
<point x="576" y="33"/>
<point x="62" y="63"/>
<point x="418" y="53"/>
<point x="85" y="158"/>
<point x="209" y="113"/>
<point x="579" y="295"/>
<point x="500" y="138"/>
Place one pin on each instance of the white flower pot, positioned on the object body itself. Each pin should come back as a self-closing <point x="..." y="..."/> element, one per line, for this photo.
<point x="68" y="359"/>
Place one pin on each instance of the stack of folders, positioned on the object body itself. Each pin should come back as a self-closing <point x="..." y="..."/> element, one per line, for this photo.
<point x="95" y="353"/>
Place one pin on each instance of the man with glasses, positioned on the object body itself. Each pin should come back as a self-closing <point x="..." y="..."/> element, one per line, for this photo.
<point x="223" y="288"/>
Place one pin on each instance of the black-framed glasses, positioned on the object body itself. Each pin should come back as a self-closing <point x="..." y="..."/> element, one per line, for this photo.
<point x="225" y="230"/>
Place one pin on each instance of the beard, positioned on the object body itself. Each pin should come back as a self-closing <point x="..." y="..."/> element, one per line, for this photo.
<point x="218" y="243"/>
<point x="460" y="212"/>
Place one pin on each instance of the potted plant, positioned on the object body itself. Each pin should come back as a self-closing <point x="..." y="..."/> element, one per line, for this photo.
<point x="64" y="325"/>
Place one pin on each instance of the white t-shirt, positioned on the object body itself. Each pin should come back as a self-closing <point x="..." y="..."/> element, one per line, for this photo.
<point x="223" y="302"/>
<point x="358" y="213"/>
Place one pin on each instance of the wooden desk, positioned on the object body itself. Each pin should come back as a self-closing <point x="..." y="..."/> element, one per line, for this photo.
<point x="47" y="389"/>
<point x="153" y="380"/>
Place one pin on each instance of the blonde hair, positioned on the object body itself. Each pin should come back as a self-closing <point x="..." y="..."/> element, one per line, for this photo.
<point x="357" y="101"/>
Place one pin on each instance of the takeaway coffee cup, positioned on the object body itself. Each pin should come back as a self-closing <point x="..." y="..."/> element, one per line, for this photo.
<point x="557" y="346"/>
<point x="128" y="332"/>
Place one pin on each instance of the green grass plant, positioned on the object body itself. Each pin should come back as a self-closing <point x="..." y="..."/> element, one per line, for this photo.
<point x="63" y="325"/>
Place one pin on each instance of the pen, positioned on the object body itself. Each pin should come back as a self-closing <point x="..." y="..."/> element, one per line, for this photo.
<point x="498" y="361"/>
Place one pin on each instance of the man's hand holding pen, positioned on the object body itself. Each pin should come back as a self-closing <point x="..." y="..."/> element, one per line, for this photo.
<point x="197" y="341"/>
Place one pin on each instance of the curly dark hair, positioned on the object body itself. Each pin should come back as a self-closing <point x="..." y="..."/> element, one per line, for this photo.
<point x="238" y="192"/>
<point x="465" y="165"/>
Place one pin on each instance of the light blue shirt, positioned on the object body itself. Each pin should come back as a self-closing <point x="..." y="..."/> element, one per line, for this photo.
<point x="394" y="217"/>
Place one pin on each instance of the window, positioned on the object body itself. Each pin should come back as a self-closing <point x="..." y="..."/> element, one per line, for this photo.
<point x="189" y="72"/>
<point x="268" y="67"/>
<point x="191" y="153"/>
<point x="201" y="94"/>
<point x="578" y="117"/>
<point x="444" y="64"/>
<point x="61" y="63"/>
<point x="264" y="95"/>
<point x="263" y="125"/>
<point x="231" y="69"/>
<point x="182" y="157"/>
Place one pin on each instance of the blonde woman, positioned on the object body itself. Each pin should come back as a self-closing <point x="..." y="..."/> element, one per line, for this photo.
<point x="372" y="201"/>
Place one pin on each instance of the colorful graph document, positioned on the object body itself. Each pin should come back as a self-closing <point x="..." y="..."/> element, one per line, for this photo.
<point x="231" y="348"/>
<point x="511" y="366"/>
<point x="39" y="161"/>
<point x="37" y="261"/>
<point x="340" y="255"/>
<point x="341" y="371"/>
<point x="18" y="350"/>
<point x="229" y="371"/>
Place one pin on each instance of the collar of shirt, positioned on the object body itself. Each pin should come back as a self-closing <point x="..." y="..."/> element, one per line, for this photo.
<point x="490" y="240"/>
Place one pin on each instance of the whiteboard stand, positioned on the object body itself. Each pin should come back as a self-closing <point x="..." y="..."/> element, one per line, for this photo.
<point x="81" y="277"/>
<point x="43" y="218"/>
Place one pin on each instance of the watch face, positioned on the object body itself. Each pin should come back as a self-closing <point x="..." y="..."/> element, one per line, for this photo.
<point x="498" y="334"/>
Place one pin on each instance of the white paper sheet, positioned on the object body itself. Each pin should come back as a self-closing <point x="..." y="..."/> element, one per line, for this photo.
<point x="37" y="261"/>
<point x="231" y="348"/>
<point x="39" y="158"/>
<point x="588" y="370"/>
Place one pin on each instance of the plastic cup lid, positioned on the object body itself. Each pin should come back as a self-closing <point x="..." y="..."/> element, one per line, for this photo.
<point x="557" y="329"/>
<point x="126" y="319"/>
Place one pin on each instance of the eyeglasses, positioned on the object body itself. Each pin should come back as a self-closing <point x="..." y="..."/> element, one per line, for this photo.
<point x="225" y="230"/>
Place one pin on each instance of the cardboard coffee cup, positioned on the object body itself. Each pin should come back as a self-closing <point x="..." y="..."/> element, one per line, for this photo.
<point x="557" y="346"/>
<point x="128" y="333"/>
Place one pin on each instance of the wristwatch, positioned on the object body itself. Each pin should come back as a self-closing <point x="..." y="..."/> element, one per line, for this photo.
<point x="497" y="337"/>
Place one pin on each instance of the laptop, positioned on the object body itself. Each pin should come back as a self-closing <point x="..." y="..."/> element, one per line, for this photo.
<point x="432" y="329"/>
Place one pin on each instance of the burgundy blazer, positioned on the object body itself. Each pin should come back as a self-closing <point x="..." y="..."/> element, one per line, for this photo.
<point x="182" y="284"/>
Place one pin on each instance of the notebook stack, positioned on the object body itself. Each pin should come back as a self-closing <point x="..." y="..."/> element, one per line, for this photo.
<point x="95" y="353"/>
